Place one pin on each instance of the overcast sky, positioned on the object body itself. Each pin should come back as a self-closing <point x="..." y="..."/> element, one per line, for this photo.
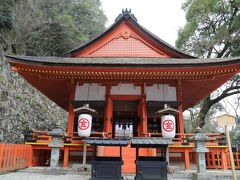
<point x="161" y="17"/>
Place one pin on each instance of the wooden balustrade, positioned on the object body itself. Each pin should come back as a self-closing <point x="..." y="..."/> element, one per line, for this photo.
<point x="15" y="156"/>
<point x="217" y="158"/>
<point x="68" y="138"/>
<point x="214" y="160"/>
<point x="181" y="138"/>
<point x="73" y="138"/>
<point x="236" y="157"/>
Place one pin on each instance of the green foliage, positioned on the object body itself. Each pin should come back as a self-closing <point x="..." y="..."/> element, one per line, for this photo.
<point x="53" y="27"/>
<point x="51" y="40"/>
<point x="211" y="124"/>
<point x="235" y="137"/>
<point x="212" y="28"/>
<point x="39" y="27"/>
<point x="6" y="20"/>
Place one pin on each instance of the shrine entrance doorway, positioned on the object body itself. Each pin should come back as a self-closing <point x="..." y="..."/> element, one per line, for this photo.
<point x="125" y="119"/>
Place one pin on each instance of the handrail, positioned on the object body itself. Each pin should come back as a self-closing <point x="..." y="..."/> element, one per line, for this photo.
<point x="216" y="138"/>
<point x="72" y="137"/>
<point x="69" y="137"/>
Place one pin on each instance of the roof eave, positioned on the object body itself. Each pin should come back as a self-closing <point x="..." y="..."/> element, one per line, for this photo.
<point x="29" y="61"/>
<point x="131" y="19"/>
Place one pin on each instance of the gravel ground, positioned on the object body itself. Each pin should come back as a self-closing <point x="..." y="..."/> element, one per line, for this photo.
<point x="40" y="176"/>
<point x="37" y="174"/>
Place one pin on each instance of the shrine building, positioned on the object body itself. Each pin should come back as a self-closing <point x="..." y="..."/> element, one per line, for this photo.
<point x="126" y="74"/>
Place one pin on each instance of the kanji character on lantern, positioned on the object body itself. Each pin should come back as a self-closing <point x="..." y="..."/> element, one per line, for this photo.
<point x="168" y="126"/>
<point x="84" y="125"/>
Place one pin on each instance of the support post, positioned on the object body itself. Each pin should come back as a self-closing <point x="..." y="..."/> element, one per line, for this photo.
<point x="194" y="158"/>
<point x="144" y="117"/>
<point x="167" y="156"/>
<point x="70" y="123"/>
<point x="66" y="157"/>
<point x="137" y="153"/>
<point x="84" y="155"/>
<point x="187" y="159"/>
<point x="234" y="175"/>
<point x="180" y="108"/>
<point x="224" y="159"/>
<point x="30" y="156"/>
<point x="121" y="152"/>
<point x="108" y="111"/>
<point x="70" y="118"/>
<point x="143" y="111"/>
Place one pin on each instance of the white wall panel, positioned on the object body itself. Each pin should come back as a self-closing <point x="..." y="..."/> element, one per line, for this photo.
<point x="126" y="89"/>
<point x="161" y="92"/>
<point x="96" y="92"/>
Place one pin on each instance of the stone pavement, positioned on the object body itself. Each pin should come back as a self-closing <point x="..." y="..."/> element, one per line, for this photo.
<point x="36" y="173"/>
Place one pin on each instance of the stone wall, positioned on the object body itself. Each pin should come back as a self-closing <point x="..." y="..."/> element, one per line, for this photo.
<point x="23" y="108"/>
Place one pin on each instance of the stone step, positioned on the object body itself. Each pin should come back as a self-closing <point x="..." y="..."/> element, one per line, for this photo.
<point x="41" y="170"/>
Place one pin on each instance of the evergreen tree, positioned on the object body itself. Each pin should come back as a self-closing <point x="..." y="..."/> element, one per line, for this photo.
<point x="212" y="30"/>
<point x="39" y="27"/>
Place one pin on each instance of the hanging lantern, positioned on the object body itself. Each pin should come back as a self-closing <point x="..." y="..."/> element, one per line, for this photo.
<point x="85" y="120"/>
<point x="168" y="121"/>
<point x="84" y="125"/>
<point x="168" y="126"/>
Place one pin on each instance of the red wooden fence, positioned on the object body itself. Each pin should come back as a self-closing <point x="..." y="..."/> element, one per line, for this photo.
<point x="236" y="157"/>
<point x="15" y="156"/>
<point x="214" y="160"/>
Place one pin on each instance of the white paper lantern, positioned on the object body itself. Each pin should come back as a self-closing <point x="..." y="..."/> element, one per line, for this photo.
<point x="168" y="125"/>
<point x="84" y="125"/>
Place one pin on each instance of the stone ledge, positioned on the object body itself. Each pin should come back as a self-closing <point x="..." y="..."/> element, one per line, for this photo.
<point x="53" y="171"/>
<point x="213" y="176"/>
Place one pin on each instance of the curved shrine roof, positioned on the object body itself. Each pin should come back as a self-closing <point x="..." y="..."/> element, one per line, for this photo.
<point x="52" y="75"/>
<point x="124" y="35"/>
<point x="125" y="52"/>
<point x="136" y="62"/>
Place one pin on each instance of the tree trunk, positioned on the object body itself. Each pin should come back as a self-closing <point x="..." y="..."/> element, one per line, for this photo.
<point x="204" y="108"/>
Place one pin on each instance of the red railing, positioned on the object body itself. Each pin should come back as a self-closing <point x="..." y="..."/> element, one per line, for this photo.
<point x="73" y="138"/>
<point x="214" y="160"/>
<point x="181" y="138"/>
<point x="236" y="157"/>
<point x="14" y="156"/>
<point x="216" y="143"/>
<point x="69" y="138"/>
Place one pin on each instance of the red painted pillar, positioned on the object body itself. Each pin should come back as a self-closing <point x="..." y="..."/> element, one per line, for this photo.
<point x="186" y="158"/>
<point x="141" y="119"/>
<point x="108" y="112"/>
<point x="66" y="156"/>
<point x="194" y="157"/>
<point x="142" y="112"/>
<point x="144" y="117"/>
<point x="70" y="124"/>
<point x="224" y="159"/>
<point x="180" y="108"/>
<point x="72" y="87"/>
<point x="30" y="155"/>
